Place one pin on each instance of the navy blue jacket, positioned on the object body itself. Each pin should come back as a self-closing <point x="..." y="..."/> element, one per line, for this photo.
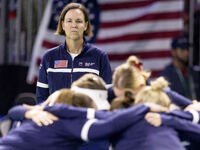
<point x="188" y="135"/>
<point x="58" y="70"/>
<point x="139" y="135"/>
<point x="69" y="133"/>
<point x="142" y="136"/>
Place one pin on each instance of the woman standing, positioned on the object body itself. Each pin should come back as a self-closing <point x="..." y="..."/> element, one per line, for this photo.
<point x="67" y="62"/>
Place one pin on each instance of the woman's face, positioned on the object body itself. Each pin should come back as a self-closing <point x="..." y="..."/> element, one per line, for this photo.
<point x="74" y="24"/>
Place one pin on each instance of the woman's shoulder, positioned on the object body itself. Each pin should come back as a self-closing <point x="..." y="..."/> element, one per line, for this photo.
<point x="94" y="48"/>
<point x="51" y="51"/>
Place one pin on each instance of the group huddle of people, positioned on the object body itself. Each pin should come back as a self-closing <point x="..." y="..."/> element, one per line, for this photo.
<point x="77" y="109"/>
<point x="139" y="117"/>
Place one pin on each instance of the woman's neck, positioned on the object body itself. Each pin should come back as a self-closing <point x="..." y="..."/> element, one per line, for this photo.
<point x="74" y="46"/>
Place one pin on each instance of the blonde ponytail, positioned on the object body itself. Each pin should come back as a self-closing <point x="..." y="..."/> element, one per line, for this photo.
<point x="132" y="60"/>
<point x="135" y="62"/>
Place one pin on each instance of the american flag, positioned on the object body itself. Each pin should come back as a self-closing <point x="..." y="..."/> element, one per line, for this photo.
<point x="60" y="64"/>
<point x="121" y="27"/>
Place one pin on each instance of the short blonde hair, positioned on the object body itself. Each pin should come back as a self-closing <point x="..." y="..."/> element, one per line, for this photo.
<point x="68" y="7"/>
<point x="154" y="93"/>
<point x="90" y="81"/>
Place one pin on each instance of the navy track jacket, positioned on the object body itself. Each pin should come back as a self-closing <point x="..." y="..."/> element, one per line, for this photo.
<point x="58" y="70"/>
<point x="69" y="133"/>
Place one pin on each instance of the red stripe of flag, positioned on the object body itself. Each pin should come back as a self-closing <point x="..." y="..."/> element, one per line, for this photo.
<point x="148" y="17"/>
<point x="48" y="44"/>
<point x="141" y="55"/>
<point x="155" y="73"/>
<point x="140" y="36"/>
<point x="126" y="5"/>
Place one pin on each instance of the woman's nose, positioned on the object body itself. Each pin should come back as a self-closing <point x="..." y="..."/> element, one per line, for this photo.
<point x="74" y="24"/>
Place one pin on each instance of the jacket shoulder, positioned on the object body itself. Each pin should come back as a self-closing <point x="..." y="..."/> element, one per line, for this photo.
<point x="94" y="48"/>
<point x="52" y="51"/>
<point x="167" y="69"/>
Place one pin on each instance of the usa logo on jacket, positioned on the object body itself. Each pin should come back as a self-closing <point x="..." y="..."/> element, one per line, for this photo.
<point x="60" y="63"/>
<point x="86" y="64"/>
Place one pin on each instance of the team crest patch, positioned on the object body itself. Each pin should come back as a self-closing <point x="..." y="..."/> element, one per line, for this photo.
<point x="60" y="63"/>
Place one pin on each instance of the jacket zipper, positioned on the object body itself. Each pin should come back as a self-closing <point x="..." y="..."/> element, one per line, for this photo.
<point x="72" y="70"/>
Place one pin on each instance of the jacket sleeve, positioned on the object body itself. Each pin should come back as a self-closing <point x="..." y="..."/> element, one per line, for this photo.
<point x="66" y="111"/>
<point x="17" y="113"/>
<point x="98" y="129"/>
<point x="72" y="127"/>
<point x="100" y="114"/>
<point x="105" y="69"/>
<point x="188" y="115"/>
<point x="61" y="110"/>
<point x="42" y="88"/>
<point x="182" y="125"/>
<point x="177" y="98"/>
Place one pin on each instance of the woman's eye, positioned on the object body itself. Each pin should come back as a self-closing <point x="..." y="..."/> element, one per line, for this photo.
<point x="79" y="21"/>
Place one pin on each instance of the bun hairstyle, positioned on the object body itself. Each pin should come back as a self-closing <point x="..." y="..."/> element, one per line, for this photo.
<point x="132" y="60"/>
<point x="159" y="84"/>
<point x="135" y="62"/>
<point x="154" y="93"/>
<point x="123" y="102"/>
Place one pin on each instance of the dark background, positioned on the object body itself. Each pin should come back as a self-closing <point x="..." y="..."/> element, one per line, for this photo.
<point x="12" y="82"/>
